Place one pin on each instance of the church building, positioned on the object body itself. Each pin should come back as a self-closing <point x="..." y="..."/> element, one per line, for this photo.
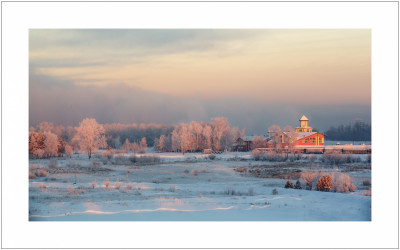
<point x="305" y="136"/>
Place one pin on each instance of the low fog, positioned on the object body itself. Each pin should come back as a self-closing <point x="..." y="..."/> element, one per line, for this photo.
<point x="64" y="103"/>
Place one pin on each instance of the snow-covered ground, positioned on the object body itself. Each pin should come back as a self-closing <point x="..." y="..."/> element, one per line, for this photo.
<point x="187" y="188"/>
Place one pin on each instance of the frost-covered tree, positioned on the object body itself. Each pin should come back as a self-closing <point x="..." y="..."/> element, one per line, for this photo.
<point x="90" y="136"/>
<point x="196" y="129"/>
<point x="51" y="144"/>
<point x="236" y="134"/>
<point x="46" y="126"/>
<point x="184" y="138"/>
<point x="220" y="133"/>
<point x="60" y="131"/>
<point x="162" y="143"/>
<point x="68" y="150"/>
<point x="126" y="146"/>
<point x="143" y="146"/>
<point x="61" y="146"/>
<point x="175" y="139"/>
<point x="275" y="132"/>
<point x="36" y="142"/>
<point x="207" y="134"/>
<point x="135" y="147"/>
<point x="258" y="142"/>
<point x="288" y="128"/>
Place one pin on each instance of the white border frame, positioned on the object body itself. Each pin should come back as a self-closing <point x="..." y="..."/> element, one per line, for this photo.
<point x="18" y="17"/>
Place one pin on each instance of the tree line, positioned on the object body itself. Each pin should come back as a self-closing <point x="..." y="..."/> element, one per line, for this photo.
<point x="47" y="140"/>
<point x="355" y="131"/>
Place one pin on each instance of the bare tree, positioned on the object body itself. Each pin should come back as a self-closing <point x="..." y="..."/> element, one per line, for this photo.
<point x="275" y="132"/>
<point x="90" y="135"/>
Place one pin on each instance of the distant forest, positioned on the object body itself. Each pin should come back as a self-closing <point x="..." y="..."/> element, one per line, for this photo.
<point x="356" y="131"/>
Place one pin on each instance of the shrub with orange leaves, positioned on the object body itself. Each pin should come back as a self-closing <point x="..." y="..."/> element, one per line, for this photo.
<point x="324" y="183"/>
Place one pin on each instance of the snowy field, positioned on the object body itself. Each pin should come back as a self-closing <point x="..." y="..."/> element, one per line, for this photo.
<point x="189" y="188"/>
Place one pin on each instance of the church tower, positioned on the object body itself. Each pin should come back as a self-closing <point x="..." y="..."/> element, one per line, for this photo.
<point x="304" y="125"/>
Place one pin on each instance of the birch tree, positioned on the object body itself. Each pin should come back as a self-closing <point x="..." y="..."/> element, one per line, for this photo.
<point x="207" y="133"/>
<point x="220" y="135"/>
<point x="90" y="136"/>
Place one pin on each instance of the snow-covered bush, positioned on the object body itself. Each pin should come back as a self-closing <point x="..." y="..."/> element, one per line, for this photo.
<point x="93" y="184"/>
<point x="308" y="178"/>
<point x="272" y="156"/>
<point x="95" y="163"/>
<point x="342" y="183"/>
<point x="120" y="160"/>
<point x="107" y="183"/>
<point x="70" y="189"/>
<point x="40" y="172"/>
<point x="194" y="172"/>
<point x="108" y="154"/>
<point x="42" y="186"/>
<point x="324" y="183"/>
<point x="367" y="192"/>
<point x="334" y="158"/>
<point x="32" y="175"/>
<point x="117" y="185"/>
<point x="129" y="186"/>
<point x="289" y="184"/>
<point x="312" y="158"/>
<point x="154" y="158"/>
<point x="256" y="154"/>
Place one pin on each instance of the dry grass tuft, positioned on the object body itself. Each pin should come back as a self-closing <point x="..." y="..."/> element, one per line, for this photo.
<point x="93" y="184"/>
<point x="107" y="183"/>
<point x="42" y="186"/>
